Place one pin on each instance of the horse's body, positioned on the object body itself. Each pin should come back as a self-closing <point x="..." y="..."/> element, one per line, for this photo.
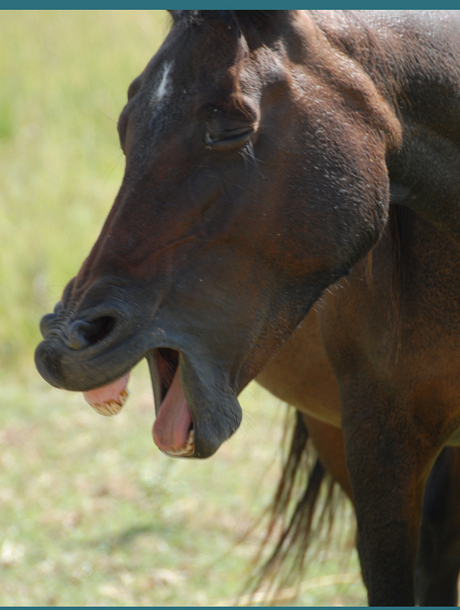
<point x="302" y="375"/>
<point x="268" y="153"/>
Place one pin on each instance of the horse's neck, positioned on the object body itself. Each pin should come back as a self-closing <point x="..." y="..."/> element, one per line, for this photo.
<point x="425" y="173"/>
<point x="414" y="60"/>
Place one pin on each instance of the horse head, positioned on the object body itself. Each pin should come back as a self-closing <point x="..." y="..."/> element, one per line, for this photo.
<point x="255" y="177"/>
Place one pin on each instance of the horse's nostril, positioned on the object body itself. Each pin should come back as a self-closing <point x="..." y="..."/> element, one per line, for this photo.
<point x="99" y="329"/>
<point x="84" y="334"/>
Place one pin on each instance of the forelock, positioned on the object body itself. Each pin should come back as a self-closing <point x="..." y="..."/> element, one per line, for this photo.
<point x="206" y="18"/>
<point x="236" y="20"/>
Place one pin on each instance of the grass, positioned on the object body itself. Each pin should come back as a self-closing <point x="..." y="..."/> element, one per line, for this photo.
<point x="91" y="513"/>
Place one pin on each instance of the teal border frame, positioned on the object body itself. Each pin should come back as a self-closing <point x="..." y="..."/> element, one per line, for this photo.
<point x="225" y="4"/>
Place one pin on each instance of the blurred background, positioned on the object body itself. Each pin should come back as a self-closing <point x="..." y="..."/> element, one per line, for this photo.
<point x="91" y="513"/>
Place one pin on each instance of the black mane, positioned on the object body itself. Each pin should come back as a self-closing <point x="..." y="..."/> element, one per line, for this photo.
<point x="237" y="20"/>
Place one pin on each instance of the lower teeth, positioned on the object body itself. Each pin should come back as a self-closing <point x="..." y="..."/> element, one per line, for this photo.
<point x="187" y="448"/>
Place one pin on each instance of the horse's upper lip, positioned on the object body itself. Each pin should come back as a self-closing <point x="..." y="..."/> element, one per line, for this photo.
<point x="86" y="369"/>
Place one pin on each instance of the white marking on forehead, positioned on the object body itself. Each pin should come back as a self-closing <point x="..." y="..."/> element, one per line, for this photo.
<point x="163" y="88"/>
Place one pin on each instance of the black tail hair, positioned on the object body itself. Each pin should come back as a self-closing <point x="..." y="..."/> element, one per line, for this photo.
<point x="303" y="477"/>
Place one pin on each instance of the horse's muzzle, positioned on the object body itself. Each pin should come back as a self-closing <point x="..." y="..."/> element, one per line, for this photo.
<point x="104" y="343"/>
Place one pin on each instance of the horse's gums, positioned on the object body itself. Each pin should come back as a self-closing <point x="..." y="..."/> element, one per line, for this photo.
<point x="109" y="399"/>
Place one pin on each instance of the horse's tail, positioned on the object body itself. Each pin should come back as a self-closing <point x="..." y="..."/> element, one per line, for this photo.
<point x="304" y="503"/>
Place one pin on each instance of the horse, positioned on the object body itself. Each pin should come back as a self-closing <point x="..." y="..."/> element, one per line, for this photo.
<point x="277" y="160"/>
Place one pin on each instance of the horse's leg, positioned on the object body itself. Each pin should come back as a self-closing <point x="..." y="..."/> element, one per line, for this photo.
<point x="439" y="543"/>
<point x="438" y="561"/>
<point x="389" y="455"/>
<point x="395" y="358"/>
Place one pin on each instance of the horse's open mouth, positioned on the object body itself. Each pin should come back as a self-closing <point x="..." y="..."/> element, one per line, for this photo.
<point x="173" y="430"/>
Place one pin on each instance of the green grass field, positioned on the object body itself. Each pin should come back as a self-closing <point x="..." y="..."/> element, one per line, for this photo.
<point x="91" y="513"/>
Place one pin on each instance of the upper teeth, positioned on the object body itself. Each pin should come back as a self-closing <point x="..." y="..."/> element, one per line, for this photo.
<point x="112" y="407"/>
<point x="187" y="448"/>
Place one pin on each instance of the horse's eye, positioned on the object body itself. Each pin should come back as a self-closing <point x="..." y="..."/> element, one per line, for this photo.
<point x="225" y="127"/>
<point x="227" y="139"/>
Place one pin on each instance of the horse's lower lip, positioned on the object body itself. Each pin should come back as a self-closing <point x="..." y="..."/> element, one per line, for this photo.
<point x="214" y="408"/>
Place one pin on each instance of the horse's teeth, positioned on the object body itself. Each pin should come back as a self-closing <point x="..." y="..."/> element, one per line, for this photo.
<point x="112" y="407"/>
<point x="187" y="448"/>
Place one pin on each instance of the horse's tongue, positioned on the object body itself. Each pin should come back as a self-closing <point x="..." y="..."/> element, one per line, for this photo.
<point x="172" y="429"/>
<point x="109" y="399"/>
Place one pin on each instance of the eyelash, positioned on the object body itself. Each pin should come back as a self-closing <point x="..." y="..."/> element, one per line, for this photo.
<point x="235" y="138"/>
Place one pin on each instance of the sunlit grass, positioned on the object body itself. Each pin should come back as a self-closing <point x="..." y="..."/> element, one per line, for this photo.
<point x="91" y="513"/>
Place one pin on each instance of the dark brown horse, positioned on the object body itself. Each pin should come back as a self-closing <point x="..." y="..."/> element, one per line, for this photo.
<point x="274" y="159"/>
